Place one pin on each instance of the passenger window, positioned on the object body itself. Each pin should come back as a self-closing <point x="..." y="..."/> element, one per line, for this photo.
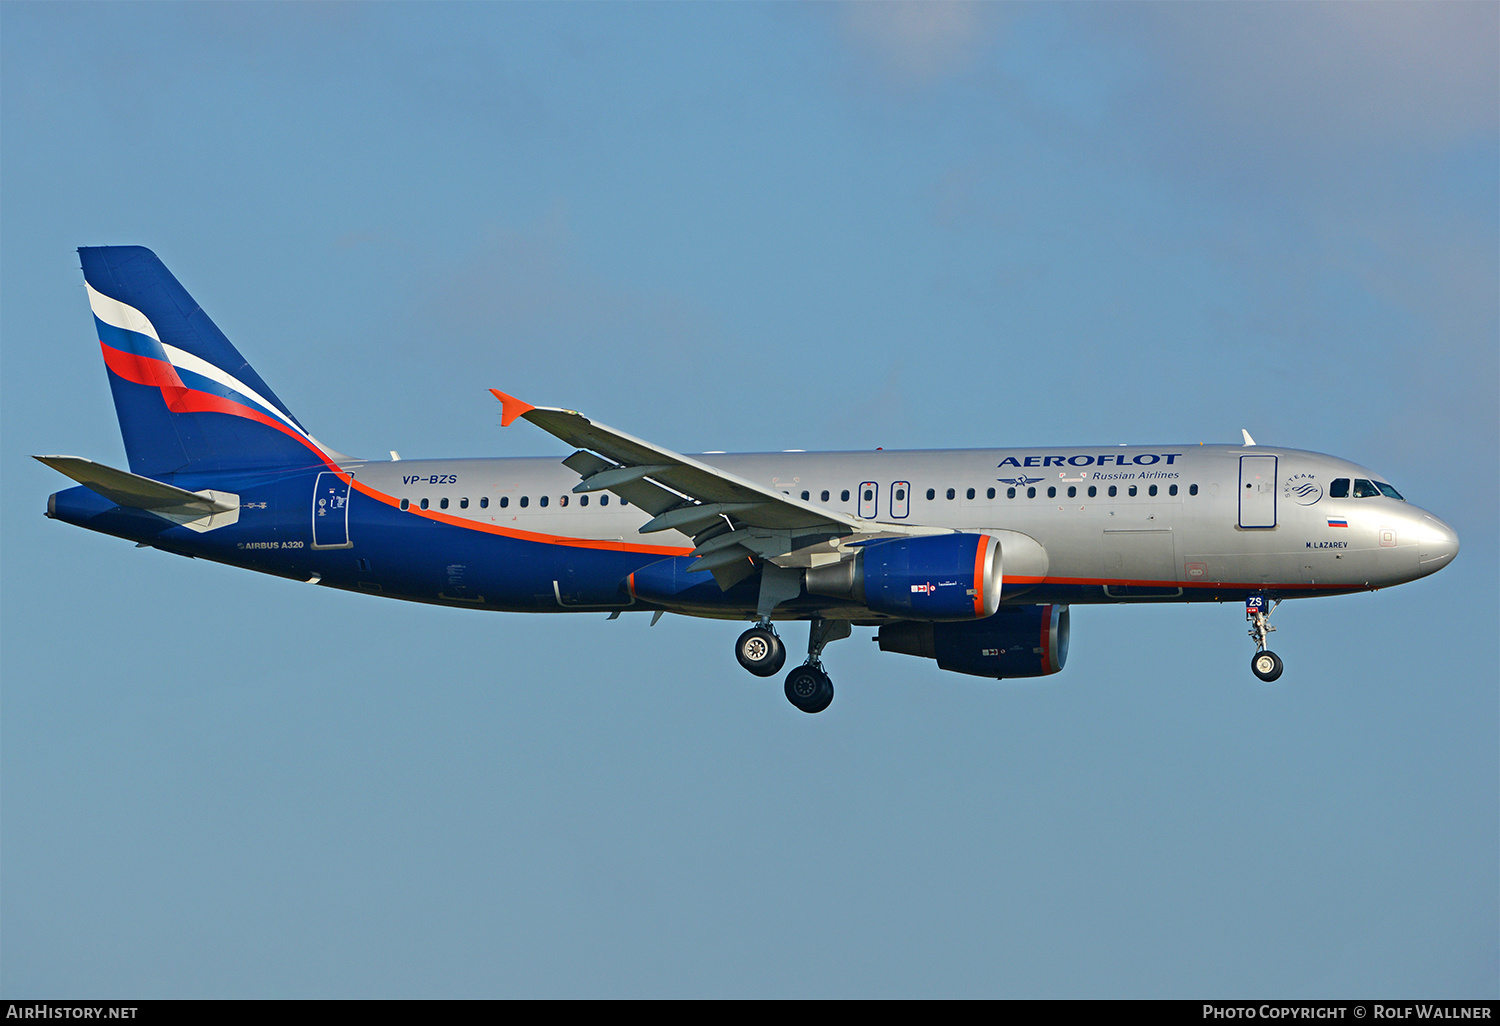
<point x="562" y="501"/>
<point x="1339" y="489"/>
<point x="869" y="495"/>
<point x="1171" y="489"/>
<point x="1132" y="489"/>
<point x="542" y="501"/>
<point x="1052" y="492"/>
<point x="405" y="504"/>
<point x="844" y="495"/>
<point x="424" y="503"/>
<point x="604" y="500"/>
<point x="624" y="501"/>
<point x="525" y="501"/>
<point x="1072" y="491"/>
<point x="442" y="504"/>
<point x="1388" y="491"/>
<point x="969" y="494"/>
<point x="1364" y="489"/>
<point x="463" y="503"/>
<point x="1031" y="493"/>
<point x="990" y="494"/>
<point x="583" y="500"/>
<point x="900" y="494"/>
<point x="1010" y="493"/>
<point x="806" y="496"/>
<point x="1113" y="491"/>
<point x="931" y="494"/>
<point x="1151" y="490"/>
<point x="484" y="502"/>
<point x="1192" y="489"/>
<point x="951" y="493"/>
<point x="504" y="501"/>
<point x="1093" y="490"/>
<point x="824" y="494"/>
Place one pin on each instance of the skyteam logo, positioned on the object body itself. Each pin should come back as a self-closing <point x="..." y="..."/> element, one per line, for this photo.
<point x="1302" y="489"/>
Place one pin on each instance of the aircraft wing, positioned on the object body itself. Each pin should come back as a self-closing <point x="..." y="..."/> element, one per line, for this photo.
<point x="729" y="517"/>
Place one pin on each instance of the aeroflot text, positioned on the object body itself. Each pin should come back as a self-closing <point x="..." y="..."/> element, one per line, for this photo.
<point x="1120" y="459"/>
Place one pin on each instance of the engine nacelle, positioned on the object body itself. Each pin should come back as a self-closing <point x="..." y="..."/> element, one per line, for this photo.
<point x="668" y="583"/>
<point x="1018" y="641"/>
<point x="937" y="577"/>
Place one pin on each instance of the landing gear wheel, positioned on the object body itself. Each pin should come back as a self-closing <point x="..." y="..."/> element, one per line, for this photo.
<point x="1266" y="665"/>
<point x="760" y="651"/>
<point x="809" y="689"/>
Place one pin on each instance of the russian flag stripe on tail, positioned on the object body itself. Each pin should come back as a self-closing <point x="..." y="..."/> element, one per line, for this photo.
<point x="186" y="399"/>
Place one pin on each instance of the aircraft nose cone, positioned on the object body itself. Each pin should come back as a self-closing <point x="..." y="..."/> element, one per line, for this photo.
<point x="1438" y="543"/>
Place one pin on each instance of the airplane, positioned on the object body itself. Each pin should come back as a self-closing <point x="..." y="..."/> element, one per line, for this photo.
<point x="969" y="557"/>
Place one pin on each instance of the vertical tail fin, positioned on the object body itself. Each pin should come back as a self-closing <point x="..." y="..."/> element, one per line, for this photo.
<point x="186" y="398"/>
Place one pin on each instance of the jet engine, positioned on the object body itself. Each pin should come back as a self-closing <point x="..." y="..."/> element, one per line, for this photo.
<point x="1018" y="641"/>
<point x="938" y="577"/>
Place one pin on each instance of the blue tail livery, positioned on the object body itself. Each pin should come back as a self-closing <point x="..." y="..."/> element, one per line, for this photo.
<point x="968" y="557"/>
<point x="186" y="398"/>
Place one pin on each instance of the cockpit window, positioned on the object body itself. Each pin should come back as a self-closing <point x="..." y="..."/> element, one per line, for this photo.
<point x="1388" y="491"/>
<point x="1364" y="489"/>
<point x="1339" y="489"/>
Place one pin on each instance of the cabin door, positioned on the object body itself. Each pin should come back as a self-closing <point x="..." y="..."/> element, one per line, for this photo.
<point x="330" y="511"/>
<point x="1257" y="491"/>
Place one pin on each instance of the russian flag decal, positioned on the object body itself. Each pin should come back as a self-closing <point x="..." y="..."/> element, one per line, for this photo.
<point x="1337" y="522"/>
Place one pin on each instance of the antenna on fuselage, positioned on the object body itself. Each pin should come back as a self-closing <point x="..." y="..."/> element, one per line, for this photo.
<point x="1248" y="439"/>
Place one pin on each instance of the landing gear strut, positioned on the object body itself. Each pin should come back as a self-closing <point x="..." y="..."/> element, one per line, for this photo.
<point x="808" y="687"/>
<point x="1265" y="664"/>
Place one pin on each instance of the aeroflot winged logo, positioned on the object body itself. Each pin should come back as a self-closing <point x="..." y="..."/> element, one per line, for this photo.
<point x="1021" y="481"/>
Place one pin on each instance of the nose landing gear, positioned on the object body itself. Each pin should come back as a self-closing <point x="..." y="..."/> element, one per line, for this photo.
<point x="1265" y="664"/>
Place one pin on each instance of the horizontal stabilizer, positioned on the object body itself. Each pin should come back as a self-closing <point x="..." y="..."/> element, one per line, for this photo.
<point x="200" y="511"/>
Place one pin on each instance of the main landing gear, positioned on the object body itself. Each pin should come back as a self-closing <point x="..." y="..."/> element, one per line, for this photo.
<point x="1265" y="664"/>
<point x="760" y="651"/>
<point x="808" y="687"/>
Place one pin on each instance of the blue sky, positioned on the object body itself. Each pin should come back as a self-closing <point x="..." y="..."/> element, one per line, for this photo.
<point x="756" y="227"/>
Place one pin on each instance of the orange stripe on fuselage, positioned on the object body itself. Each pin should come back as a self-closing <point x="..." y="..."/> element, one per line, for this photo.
<point x="512" y="532"/>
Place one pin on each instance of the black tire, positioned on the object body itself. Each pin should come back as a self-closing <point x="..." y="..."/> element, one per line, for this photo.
<point x="809" y="689"/>
<point x="760" y="652"/>
<point x="1266" y="665"/>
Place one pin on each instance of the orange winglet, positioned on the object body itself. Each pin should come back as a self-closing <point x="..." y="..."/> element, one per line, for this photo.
<point x="510" y="407"/>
